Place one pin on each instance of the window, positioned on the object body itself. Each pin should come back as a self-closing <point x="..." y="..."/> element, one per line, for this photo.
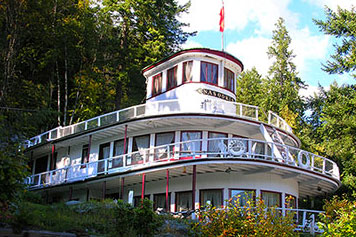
<point x="239" y="197"/>
<point x="157" y="84"/>
<point x="104" y="153"/>
<point x="190" y="147"/>
<point x="271" y="199"/>
<point x="164" y="139"/>
<point x="212" y="197"/>
<point x="118" y="151"/>
<point x="140" y="144"/>
<point x="187" y="71"/>
<point x="159" y="201"/>
<point x="184" y="201"/>
<point x="229" y="77"/>
<point x="137" y="200"/>
<point x="209" y="73"/>
<point x="172" y="78"/>
<point x="85" y="154"/>
<point x="41" y="164"/>
<point x="218" y="145"/>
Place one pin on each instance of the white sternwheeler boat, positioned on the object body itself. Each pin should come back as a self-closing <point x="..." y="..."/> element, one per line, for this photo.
<point x="190" y="144"/>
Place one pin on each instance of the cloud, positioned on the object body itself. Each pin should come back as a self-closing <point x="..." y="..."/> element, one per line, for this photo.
<point x="204" y="16"/>
<point x="333" y="4"/>
<point x="252" y="52"/>
<point x="191" y="44"/>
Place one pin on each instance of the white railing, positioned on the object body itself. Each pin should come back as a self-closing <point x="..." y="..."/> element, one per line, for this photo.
<point x="159" y="108"/>
<point x="229" y="148"/>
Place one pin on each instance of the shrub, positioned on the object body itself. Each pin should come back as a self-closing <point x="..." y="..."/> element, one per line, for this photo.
<point x="250" y="220"/>
<point x="339" y="218"/>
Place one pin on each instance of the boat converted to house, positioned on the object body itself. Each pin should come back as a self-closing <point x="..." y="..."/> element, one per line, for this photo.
<point x="190" y="144"/>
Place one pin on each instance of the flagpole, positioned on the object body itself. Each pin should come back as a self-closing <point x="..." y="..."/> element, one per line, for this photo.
<point x="222" y="24"/>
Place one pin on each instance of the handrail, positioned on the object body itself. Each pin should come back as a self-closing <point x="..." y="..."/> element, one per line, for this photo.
<point x="228" y="148"/>
<point x="159" y="107"/>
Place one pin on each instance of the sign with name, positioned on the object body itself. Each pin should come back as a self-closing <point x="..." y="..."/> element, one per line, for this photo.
<point x="215" y="94"/>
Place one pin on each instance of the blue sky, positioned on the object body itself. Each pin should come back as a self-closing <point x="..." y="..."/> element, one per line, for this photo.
<point x="248" y="32"/>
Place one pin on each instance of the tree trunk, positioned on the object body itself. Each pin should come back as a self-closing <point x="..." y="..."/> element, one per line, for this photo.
<point x="58" y="96"/>
<point x="65" y="86"/>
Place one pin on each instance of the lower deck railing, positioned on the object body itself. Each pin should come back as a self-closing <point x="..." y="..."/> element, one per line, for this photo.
<point x="227" y="148"/>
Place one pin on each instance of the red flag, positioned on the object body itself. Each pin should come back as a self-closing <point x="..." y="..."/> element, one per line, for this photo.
<point x="222" y="21"/>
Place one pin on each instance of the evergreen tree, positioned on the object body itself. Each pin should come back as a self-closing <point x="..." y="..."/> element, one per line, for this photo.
<point x="249" y="88"/>
<point x="342" y="25"/>
<point x="283" y="83"/>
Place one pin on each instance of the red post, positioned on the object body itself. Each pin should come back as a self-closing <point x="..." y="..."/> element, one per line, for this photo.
<point x="167" y="188"/>
<point x="143" y="186"/>
<point x="194" y="181"/>
<point x="53" y="161"/>
<point x="122" y="188"/>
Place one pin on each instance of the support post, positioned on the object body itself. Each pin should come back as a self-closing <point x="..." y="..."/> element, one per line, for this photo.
<point x="167" y="194"/>
<point x="52" y="156"/>
<point x="89" y="146"/>
<point x="104" y="190"/>
<point x="122" y="188"/>
<point x="125" y="138"/>
<point x="194" y="180"/>
<point x="143" y="186"/>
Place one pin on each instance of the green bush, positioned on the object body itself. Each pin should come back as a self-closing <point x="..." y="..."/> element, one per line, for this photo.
<point x="107" y="218"/>
<point x="339" y="218"/>
<point x="250" y="220"/>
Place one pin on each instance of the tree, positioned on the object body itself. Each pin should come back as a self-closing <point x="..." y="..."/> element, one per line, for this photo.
<point x="249" y="88"/>
<point x="283" y="83"/>
<point x="342" y="25"/>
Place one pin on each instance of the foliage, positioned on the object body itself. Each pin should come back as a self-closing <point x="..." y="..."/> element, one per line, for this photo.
<point x="283" y="84"/>
<point x="342" y="25"/>
<point x="105" y="218"/>
<point x="250" y="220"/>
<point x="339" y="218"/>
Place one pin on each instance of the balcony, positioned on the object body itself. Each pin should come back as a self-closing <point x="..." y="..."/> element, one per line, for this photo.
<point x="221" y="107"/>
<point x="225" y="149"/>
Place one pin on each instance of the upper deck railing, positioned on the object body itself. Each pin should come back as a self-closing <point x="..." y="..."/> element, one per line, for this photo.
<point x="230" y="148"/>
<point x="159" y="108"/>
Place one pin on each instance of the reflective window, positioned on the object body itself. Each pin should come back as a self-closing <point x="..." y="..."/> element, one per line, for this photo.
<point x="85" y="154"/>
<point x="271" y="199"/>
<point x="187" y="71"/>
<point x="164" y="139"/>
<point x="229" y="77"/>
<point x="159" y="201"/>
<point x="190" y="147"/>
<point x="212" y="197"/>
<point x="172" y="78"/>
<point x="217" y="144"/>
<point x="118" y="151"/>
<point x="240" y="197"/>
<point x="140" y="144"/>
<point x="157" y="84"/>
<point x="209" y="73"/>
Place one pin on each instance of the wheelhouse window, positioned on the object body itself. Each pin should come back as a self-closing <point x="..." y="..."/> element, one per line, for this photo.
<point x="240" y="197"/>
<point x="187" y="71"/>
<point x="209" y="73"/>
<point x="213" y="197"/>
<point x="159" y="201"/>
<point x="229" y="77"/>
<point x="184" y="201"/>
<point x="189" y="146"/>
<point x="85" y="154"/>
<point x="140" y="145"/>
<point x="157" y="84"/>
<point x="164" y="139"/>
<point x="271" y="199"/>
<point x="172" y="78"/>
<point x="217" y="144"/>
<point x="119" y="150"/>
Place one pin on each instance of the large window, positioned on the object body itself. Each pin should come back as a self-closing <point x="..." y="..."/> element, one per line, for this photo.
<point x="119" y="150"/>
<point x="159" y="201"/>
<point x="104" y="153"/>
<point x="172" y="78"/>
<point x="218" y="144"/>
<point x="157" y="84"/>
<point x="161" y="140"/>
<point x="187" y="71"/>
<point x="212" y="197"/>
<point x="271" y="199"/>
<point x="229" y="77"/>
<point x="209" y="73"/>
<point x="240" y="197"/>
<point x="140" y="144"/>
<point x="291" y="201"/>
<point x="184" y="201"/>
<point x="188" y="147"/>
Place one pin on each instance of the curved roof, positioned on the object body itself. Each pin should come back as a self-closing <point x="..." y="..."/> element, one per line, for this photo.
<point x="197" y="50"/>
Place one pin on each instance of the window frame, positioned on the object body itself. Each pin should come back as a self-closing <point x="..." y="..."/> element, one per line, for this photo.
<point x="176" y="200"/>
<point x="175" y="78"/>
<point x="159" y="90"/>
<point x="221" y="190"/>
<point x="162" y="194"/>
<point x="225" y="80"/>
<point x="217" y="73"/>
<point x="242" y="189"/>
<point x="172" y="147"/>
<point x="295" y="201"/>
<point x="180" y="139"/>
<point x="280" y="197"/>
<point x="183" y="72"/>
<point x="84" y="159"/>
<point x="209" y="132"/>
